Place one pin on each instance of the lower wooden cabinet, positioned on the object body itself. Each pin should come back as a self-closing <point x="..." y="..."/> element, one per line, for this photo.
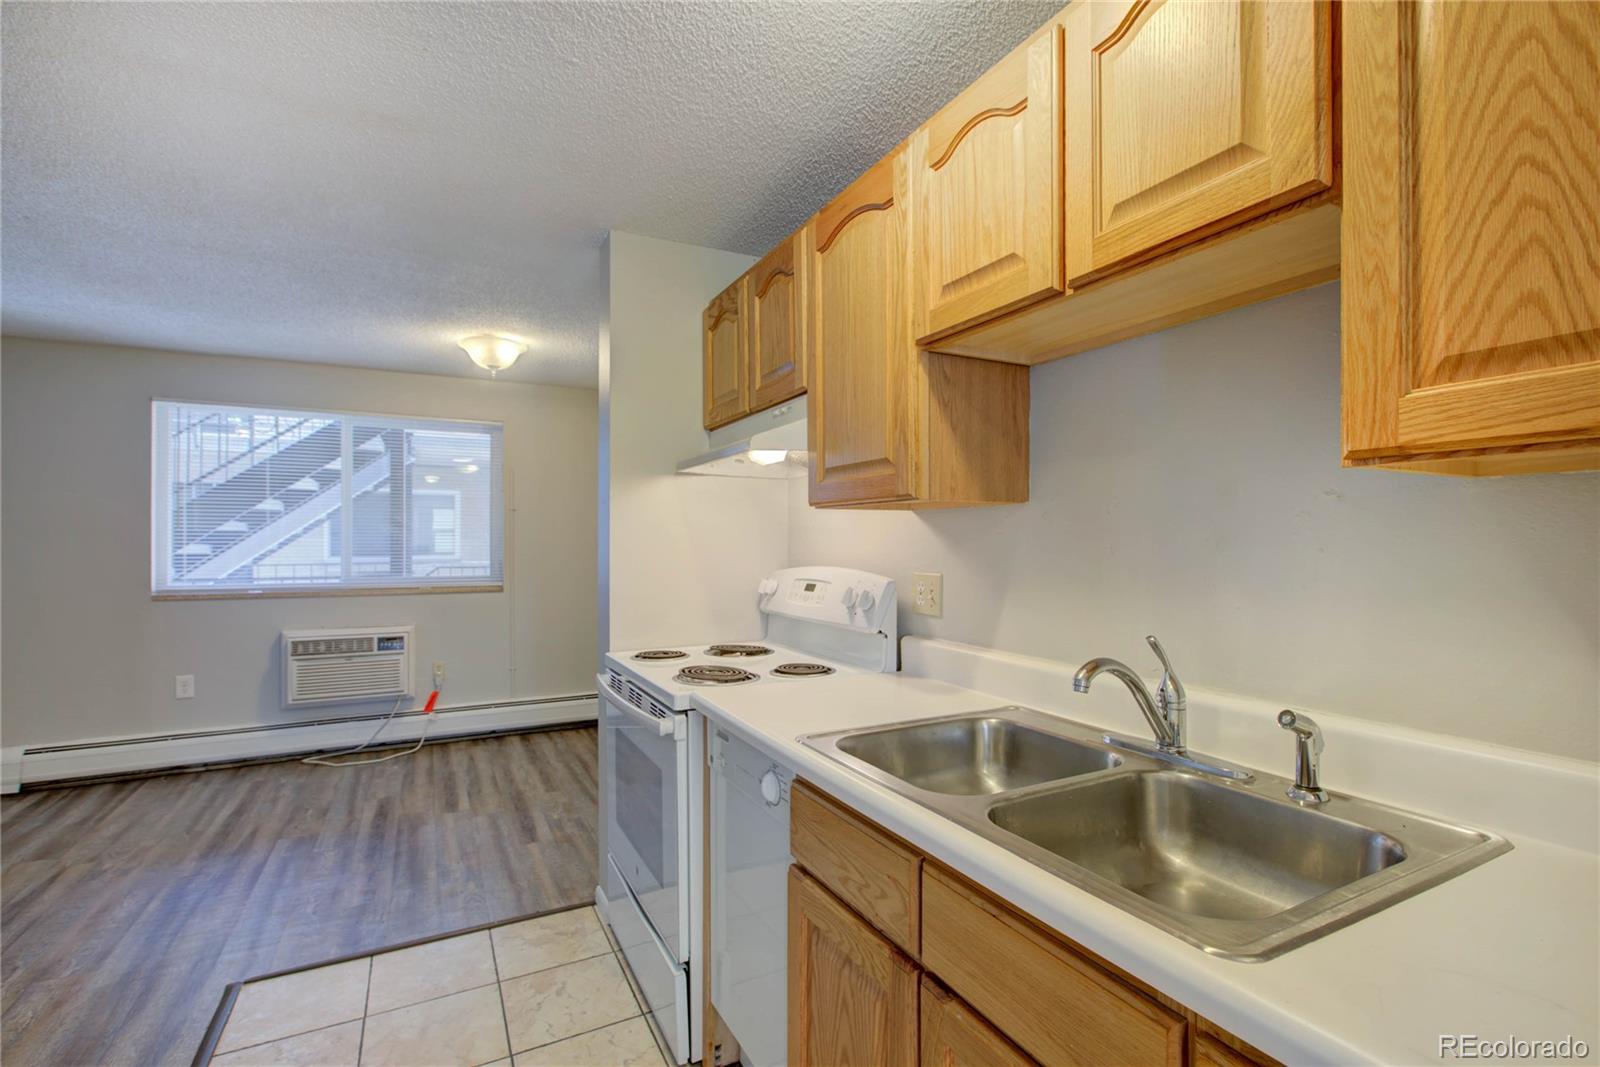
<point x="1051" y="1000"/>
<point x="953" y="1035"/>
<point x="852" y="995"/>
<point x="988" y="986"/>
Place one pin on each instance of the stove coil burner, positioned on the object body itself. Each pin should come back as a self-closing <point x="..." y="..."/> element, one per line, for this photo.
<point x="738" y="650"/>
<point x="655" y="654"/>
<point x="802" y="670"/>
<point x="713" y="674"/>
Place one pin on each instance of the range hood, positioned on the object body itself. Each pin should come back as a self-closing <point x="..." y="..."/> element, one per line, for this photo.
<point x="768" y="444"/>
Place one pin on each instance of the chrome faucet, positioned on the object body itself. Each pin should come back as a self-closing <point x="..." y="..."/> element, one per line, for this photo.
<point x="1307" y="788"/>
<point x="1166" y="711"/>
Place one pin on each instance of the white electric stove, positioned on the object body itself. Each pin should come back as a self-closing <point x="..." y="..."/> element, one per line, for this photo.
<point x="819" y="622"/>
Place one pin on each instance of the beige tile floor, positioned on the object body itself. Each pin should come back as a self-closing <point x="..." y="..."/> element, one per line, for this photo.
<point x="545" y="992"/>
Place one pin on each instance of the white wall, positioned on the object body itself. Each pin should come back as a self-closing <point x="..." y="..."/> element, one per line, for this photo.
<point x="684" y="552"/>
<point x="1188" y="484"/>
<point x="89" y="654"/>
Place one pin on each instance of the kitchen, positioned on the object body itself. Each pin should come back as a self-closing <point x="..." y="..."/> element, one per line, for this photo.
<point x="943" y="534"/>
<point x="1033" y="871"/>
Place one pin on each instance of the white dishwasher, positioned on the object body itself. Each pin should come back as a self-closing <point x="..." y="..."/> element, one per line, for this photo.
<point x="750" y="897"/>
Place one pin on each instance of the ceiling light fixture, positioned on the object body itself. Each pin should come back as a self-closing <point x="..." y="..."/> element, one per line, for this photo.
<point x="491" y="351"/>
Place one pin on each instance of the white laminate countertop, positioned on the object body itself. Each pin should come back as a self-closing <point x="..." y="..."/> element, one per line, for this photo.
<point x="1508" y="949"/>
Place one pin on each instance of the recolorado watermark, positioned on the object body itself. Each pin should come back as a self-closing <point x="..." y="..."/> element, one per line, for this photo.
<point x="1474" y="1047"/>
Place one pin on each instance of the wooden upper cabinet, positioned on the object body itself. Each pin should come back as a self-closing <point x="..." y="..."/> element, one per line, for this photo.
<point x="776" y="345"/>
<point x="725" y="374"/>
<point x="861" y="356"/>
<point x="890" y="426"/>
<point x="1188" y="116"/>
<point x="1471" y="234"/>
<point x="852" y="996"/>
<point x="986" y="183"/>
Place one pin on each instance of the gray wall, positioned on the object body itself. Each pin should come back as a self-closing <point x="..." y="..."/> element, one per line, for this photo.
<point x="89" y="654"/>
<point x="1188" y="484"/>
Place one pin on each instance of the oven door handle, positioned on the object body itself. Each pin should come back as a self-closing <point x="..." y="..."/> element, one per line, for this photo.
<point x="662" y="727"/>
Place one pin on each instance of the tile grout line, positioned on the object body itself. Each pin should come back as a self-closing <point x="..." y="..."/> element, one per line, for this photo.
<point x="553" y="966"/>
<point x="500" y="991"/>
<point x="219" y="1052"/>
<point x="287" y="1037"/>
<point x="361" y="1042"/>
<point x="583" y="1033"/>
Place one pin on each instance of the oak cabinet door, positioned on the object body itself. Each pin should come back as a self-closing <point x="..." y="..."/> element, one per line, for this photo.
<point x="953" y="1035"/>
<point x="776" y="348"/>
<point x="1188" y="116"/>
<point x="860" y="356"/>
<point x="725" y="373"/>
<point x="986" y="188"/>
<point x="852" y="995"/>
<point x="1471" y="235"/>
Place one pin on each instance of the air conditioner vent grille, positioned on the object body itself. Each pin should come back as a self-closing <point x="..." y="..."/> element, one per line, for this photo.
<point x="338" y="666"/>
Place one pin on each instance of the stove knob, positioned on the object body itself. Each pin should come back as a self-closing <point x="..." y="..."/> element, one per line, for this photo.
<point x="865" y="601"/>
<point x="850" y="597"/>
<point x="767" y="587"/>
<point x="771" y="789"/>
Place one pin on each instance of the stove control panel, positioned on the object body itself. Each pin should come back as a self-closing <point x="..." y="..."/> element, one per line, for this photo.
<point x="837" y="595"/>
<point x="811" y="591"/>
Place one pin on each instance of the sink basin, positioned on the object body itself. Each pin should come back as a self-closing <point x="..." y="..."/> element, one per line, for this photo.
<point x="1198" y="847"/>
<point x="1234" y="866"/>
<point x="975" y="756"/>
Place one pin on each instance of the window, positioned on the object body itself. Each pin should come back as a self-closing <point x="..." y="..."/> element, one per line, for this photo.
<point x="249" y="499"/>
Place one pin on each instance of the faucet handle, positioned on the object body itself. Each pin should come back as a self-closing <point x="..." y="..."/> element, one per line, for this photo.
<point x="1170" y="698"/>
<point x="1171" y="690"/>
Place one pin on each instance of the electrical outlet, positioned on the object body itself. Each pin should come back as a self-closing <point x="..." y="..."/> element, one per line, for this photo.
<point x="438" y="674"/>
<point x="183" y="687"/>
<point x="929" y="599"/>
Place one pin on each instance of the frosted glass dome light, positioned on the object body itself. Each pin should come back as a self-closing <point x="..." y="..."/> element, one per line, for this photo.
<point x="491" y="351"/>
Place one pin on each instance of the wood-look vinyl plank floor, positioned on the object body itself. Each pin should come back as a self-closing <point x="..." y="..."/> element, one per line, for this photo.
<point x="126" y="907"/>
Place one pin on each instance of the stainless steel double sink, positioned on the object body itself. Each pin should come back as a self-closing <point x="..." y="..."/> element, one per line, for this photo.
<point x="1232" y="866"/>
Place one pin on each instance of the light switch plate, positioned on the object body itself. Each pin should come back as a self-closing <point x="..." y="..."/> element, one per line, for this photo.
<point x="183" y="687"/>
<point x="929" y="598"/>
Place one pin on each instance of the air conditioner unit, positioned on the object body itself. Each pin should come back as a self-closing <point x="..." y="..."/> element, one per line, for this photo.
<point x="345" y="665"/>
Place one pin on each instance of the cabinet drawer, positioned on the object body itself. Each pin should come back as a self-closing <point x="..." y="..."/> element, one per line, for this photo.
<point x="1058" y="1006"/>
<point x="867" y="869"/>
<point x="953" y="1035"/>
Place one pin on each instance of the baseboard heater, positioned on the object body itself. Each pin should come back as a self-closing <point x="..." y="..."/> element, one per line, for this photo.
<point x="197" y="748"/>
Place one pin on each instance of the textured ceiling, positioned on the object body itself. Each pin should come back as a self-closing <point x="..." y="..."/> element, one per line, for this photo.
<point x="364" y="183"/>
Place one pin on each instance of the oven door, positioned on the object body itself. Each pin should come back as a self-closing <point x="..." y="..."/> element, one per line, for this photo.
<point x="645" y="772"/>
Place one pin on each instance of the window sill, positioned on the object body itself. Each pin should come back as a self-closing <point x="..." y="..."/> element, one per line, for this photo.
<point x="322" y="591"/>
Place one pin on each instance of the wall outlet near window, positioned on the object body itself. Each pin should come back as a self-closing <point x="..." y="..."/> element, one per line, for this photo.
<point x="438" y="674"/>
<point x="183" y="687"/>
<point x="929" y="595"/>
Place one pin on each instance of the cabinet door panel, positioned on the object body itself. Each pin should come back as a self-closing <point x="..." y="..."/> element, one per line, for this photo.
<point x="1188" y="116"/>
<point x="852" y="996"/>
<point x="986" y="177"/>
<point x="776" y="347"/>
<point x="953" y="1035"/>
<point x="860" y="354"/>
<point x="724" y="373"/>
<point x="1471" y="241"/>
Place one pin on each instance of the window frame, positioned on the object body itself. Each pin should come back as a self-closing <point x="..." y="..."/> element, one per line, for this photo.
<point x="160" y="488"/>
